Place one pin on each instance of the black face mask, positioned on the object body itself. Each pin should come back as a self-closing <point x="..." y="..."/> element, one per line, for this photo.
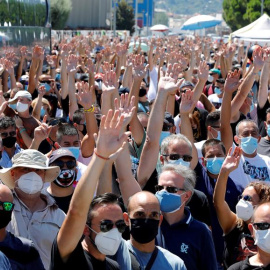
<point x="65" y="178"/>
<point x="9" y="142"/>
<point x="144" y="230"/>
<point x="5" y="218"/>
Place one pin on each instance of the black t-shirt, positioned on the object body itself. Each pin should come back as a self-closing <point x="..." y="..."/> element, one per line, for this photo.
<point x="261" y="116"/>
<point x="79" y="259"/>
<point x="244" y="265"/>
<point x="62" y="202"/>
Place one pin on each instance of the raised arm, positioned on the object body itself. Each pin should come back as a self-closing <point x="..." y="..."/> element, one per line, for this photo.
<point x="167" y="86"/>
<point x="38" y="105"/>
<point x="263" y="88"/>
<point x="108" y="142"/>
<point x="23" y="51"/>
<point x="231" y="84"/>
<point x="227" y="219"/>
<point x="186" y="107"/>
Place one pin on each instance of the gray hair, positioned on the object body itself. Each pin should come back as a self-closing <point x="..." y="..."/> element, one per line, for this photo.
<point x="188" y="174"/>
<point x="174" y="137"/>
<point x="246" y="121"/>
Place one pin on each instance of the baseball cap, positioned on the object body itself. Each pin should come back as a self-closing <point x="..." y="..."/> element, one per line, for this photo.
<point x="20" y="94"/>
<point x="215" y="70"/>
<point x="60" y="153"/>
<point x="186" y="83"/>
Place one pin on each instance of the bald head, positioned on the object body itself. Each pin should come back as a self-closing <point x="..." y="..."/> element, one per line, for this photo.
<point x="143" y="200"/>
<point x="5" y="194"/>
<point x="262" y="213"/>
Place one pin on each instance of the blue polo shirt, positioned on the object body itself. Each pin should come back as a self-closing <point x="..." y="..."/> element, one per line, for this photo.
<point x="207" y="185"/>
<point x="191" y="240"/>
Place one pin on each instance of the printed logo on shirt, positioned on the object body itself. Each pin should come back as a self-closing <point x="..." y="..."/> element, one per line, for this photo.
<point x="184" y="248"/>
<point x="258" y="173"/>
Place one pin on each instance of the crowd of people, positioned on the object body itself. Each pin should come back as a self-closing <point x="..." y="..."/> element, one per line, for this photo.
<point x="119" y="158"/>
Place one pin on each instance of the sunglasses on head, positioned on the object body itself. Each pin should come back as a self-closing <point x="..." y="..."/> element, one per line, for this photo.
<point x="106" y="225"/>
<point x="7" y="206"/>
<point x="6" y="134"/>
<point x="71" y="164"/>
<point x="186" y="158"/>
<point x="245" y="198"/>
<point x="261" y="226"/>
<point x="169" y="189"/>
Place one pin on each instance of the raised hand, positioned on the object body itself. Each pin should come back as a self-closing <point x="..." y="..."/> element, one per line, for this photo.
<point x="109" y="82"/>
<point x="85" y="95"/>
<point x="23" y="51"/>
<point x="232" y="81"/>
<point x="42" y="132"/>
<point x="203" y="71"/>
<point x="126" y="109"/>
<point x="52" y="60"/>
<point x="109" y="141"/>
<point x="41" y="90"/>
<point x="187" y="102"/>
<point x="139" y="70"/>
<point x="9" y="66"/>
<point x="72" y="64"/>
<point x="169" y="83"/>
<point x="231" y="162"/>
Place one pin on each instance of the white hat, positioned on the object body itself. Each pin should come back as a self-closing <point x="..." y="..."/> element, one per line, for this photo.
<point x="29" y="158"/>
<point x="21" y="93"/>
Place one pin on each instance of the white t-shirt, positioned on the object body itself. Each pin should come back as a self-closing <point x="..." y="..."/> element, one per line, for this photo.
<point x="252" y="169"/>
<point x="152" y="92"/>
<point x="198" y="146"/>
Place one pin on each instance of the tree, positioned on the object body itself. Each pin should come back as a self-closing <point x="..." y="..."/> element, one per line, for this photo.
<point x="239" y="13"/>
<point x="60" y="10"/>
<point x="125" y="17"/>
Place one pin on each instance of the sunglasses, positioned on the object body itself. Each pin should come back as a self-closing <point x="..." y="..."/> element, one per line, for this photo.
<point x="7" y="206"/>
<point x="70" y="164"/>
<point x="106" y="225"/>
<point x="245" y="198"/>
<point x="48" y="82"/>
<point x="6" y="134"/>
<point x="186" y="158"/>
<point x="57" y="121"/>
<point x="169" y="189"/>
<point x="261" y="226"/>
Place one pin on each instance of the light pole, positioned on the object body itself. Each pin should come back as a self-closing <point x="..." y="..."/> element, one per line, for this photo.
<point x="136" y="17"/>
<point x="114" y="18"/>
<point x="262" y="2"/>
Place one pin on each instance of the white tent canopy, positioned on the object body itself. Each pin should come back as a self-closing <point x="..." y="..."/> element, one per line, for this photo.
<point x="258" y="31"/>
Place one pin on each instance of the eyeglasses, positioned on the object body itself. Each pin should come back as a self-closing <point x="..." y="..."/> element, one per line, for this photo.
<point x="6" y="134"/>
<point x="106" y="225"/>
<point x="7" y="206"/>
<point x="186" y="158"/>
<point x="245" y="198"/>
<point x="70" y="164"/>
<point x="169" y="189"/>
<point x="261" y="226"/>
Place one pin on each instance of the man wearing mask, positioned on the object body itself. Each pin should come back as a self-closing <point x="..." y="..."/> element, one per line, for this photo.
<point x="61" y="189"/>
<point x="8" y="136"/>
<point x="260" y="230"/>
<point x="252" y="166"/>
<point x="264" y="144"/>
<point x="144" y="219"/>
<point x="20" y="251"/>
<point x="25" y="122"/>
<point x="35" y="216"/>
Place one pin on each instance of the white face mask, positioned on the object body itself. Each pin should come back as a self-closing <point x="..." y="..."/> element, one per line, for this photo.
<point x="108" y="243"/>
<point x="30" y="183"/>
<point x="21" y="107"/>
<point x="179" y="161"/>
<point x="262" y="239"/>
<point x="244" y="210"/>
<point x="210" y="78"/>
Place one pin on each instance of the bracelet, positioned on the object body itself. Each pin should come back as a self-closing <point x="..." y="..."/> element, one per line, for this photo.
<point x="22" y="130"/>
<point x="100" y="156"/>
<point x="91" y="109"/>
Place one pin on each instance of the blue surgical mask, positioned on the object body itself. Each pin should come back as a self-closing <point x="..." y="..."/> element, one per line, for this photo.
<point x="268" y="130"/>
<point x="218" y="134"/>
<point x="42" y="112"/>
<point x="169" y="202"/>
<point x="13" y="106"/>
<point x="163" y="135"/>
<point x="58" y="76"/>
<point x="217" y="91"/>
<point x="179" y="161"/>
<point x="213" y="165"/>
<point x="74" y="150"/>
<point x="249" y="144"/>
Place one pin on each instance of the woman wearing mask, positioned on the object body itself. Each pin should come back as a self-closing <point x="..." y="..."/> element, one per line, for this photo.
<point x="238" y="241"/>
<point x="41" y="106"/>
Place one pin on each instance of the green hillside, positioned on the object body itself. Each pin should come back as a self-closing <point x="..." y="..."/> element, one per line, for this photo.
<point x="190" y="6"/>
